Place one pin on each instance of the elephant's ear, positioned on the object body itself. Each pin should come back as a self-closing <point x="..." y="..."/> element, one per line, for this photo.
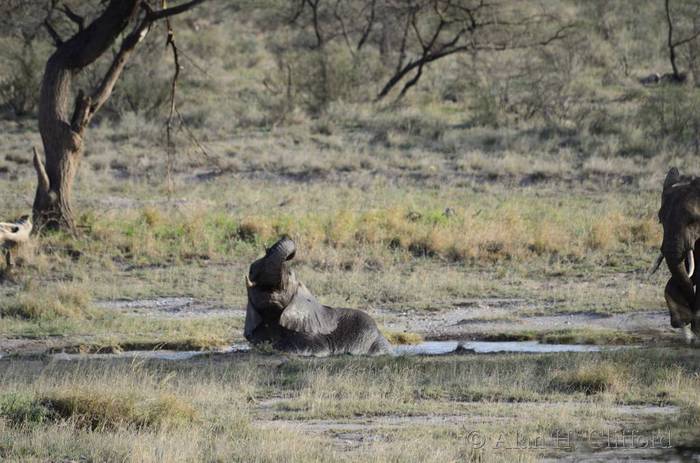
<point x="252" y="320"/>
<point x="672" y="178"/>
<point x="306" y="315"/>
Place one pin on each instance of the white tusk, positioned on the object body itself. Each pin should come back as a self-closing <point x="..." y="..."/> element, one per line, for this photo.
<point x="688" y="334"/>
<point x="691" y="263"/>
<point x="248" y="283"/>
<point x="657" y="263"/>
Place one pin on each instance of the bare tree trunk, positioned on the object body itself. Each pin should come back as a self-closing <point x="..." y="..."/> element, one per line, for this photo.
<point x="63" y="147"/>
<point x="671" y="45"/>
<point x="52" y="205"/>
<point x="62" y="130"/>
<point x="678" y="77"/>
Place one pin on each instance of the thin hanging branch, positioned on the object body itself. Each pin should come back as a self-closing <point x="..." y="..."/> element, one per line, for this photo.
<point x="672" y="45"/>
<point x="170" y="144"/>
<point x="171" y="148"/>
<point x="73" y="16"/>
<point x="55" y="37"/>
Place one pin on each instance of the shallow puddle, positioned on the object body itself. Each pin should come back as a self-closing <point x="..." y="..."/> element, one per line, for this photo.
<point x="424" y="348"/>
<point x="489" y="347"/>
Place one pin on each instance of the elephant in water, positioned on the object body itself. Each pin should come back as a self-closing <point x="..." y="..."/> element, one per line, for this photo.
<point x="283" y="312"/>
<point x="680" y="217"/>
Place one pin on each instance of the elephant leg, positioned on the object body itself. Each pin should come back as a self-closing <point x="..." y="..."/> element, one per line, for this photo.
<point x="695" y="327"/>
<point x="678" y="307"/>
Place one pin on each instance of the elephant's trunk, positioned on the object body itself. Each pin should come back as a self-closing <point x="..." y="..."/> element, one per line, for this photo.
<point x="676" y="252"/>
<point x="268" y="271"/>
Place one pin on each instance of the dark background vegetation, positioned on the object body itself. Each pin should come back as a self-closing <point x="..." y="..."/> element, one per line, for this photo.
<point x="264" y="64"/>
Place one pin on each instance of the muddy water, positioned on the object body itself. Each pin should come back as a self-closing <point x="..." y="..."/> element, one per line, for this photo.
<point x="424" y="348"/>
<point x="489" y="347"/>
<point x="153" y="354"/>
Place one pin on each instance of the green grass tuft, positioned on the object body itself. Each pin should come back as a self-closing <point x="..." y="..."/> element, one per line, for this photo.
<point x="402" y="337"/>
<point x="591" y="378"/>
<point x="62" y="300"/>
<point x="104" y="410"/>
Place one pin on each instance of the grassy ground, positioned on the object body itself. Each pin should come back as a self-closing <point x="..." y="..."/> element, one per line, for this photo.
<point x="508" y="196"/>
<point x="378" y="226"/>
<point x="400" y="232"/>
<point x="253" y="408"/>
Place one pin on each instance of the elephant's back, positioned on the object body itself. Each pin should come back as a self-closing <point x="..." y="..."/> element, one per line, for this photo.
<point x="357" y="333"/>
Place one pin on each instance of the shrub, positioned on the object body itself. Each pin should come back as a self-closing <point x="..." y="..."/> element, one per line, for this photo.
<point x="672" y="113"/>
<point x="54" y="301"/>
<point x="22" y="409"/>
<point x="97" y="409"/>
<point x="402" y="337"/>
<point x="19" y="89"/>
<point x="591" y="378"/>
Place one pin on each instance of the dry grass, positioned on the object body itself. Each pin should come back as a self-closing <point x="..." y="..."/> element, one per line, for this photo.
<point x="413" y="206"/>
<point x="58" y="300"/>
<point x="590" y="336"/>
<point x="402" y="337"/>
<point x="515" y="227"/>
<point x="183" y="411"/>
<point x="101" y="410"/>
<point x="592" y="378"/>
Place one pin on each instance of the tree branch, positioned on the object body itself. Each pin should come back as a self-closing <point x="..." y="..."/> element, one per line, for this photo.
<point x="43" y="178"/>
<point x="370" y="24"/>
<point x="76" y="18"/>
<point x="558" y="35"/>
<point x="104" y="90"/>
<point x="81" y="113"/>
<point x="172" y="11"/>
<point x="402" y="47"/>
<point x="688" y="39"/>
<point x="298" y="12"/>
<point x="89" y="44"/>
<point x="671" y="46"/>
<point x="411" y="82"/>
<point x="343" y="29"/>
<point x="434" y="48"/>
<point x="317" y="27"/>
<point x="57" y="40"/>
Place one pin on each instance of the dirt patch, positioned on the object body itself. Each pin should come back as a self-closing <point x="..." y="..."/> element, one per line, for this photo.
<point x="171" y="307"/>
<point x="351" y="433"/>
<point x="363" y="424"/>
<point x="621" y="454"/>
<point x="471" y="319"/>
<point x="160" y="354"/>
<point x="483" y="318"/>
<point x="27" y="346"/>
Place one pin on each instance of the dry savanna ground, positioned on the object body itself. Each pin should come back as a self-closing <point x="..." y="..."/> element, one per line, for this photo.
<point x="434" y="244"/>
<point x="509" y="196"/>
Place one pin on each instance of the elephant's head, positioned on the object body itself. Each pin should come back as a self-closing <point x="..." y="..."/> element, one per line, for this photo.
<point x="680" y="217"/>
<point x="271" y="283"/>
<point x="275" y="296"/>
